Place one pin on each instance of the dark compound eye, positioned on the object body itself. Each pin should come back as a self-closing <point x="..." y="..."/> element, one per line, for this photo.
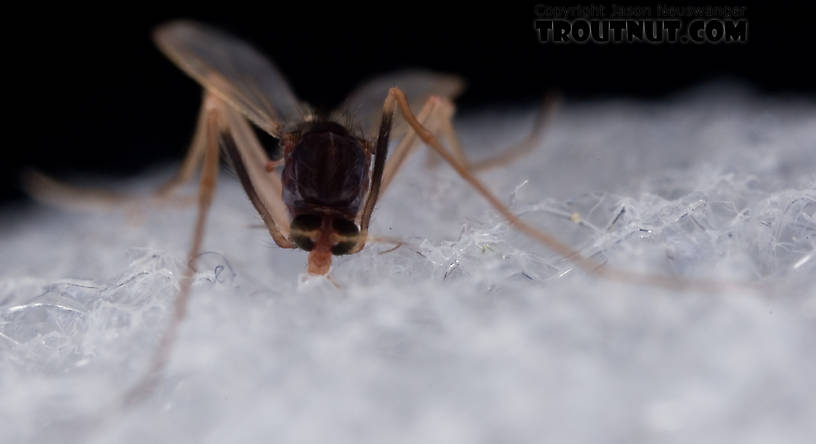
<point x="301" y="227"/>
<point x="306" y="222"/>
<point x="344" y="227"/>
<point x="303" y="242"/>
<point x="343" y="248"/>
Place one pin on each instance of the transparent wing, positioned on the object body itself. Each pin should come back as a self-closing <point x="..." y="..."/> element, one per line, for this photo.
<point x="232" y="70"/>
<point x="365" y="103"/>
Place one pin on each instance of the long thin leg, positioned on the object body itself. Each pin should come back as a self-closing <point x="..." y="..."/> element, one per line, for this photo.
<point x="444" y="117"/>
<point x="256" y="173"/>
<point x="380" y="154"/>
<point x="193" y="157"/>
<point x="437" y="116"/>
<point x="533" y="140"/>
<point x="446" y="128"/>
<point x="209" y="176"/>
<point x="405" y="147"/>
<point x="585" y="263"/>
<point x="45" y="188"/>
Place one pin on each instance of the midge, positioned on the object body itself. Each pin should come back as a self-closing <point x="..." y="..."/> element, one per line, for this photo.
<point x="319" y="190"/>
<point x="332" y="174"/>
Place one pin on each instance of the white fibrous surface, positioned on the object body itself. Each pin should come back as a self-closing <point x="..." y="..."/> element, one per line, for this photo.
<point x="471" y="332"/>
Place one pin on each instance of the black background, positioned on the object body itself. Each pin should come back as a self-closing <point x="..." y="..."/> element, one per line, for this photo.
<point x="96" y="97"/>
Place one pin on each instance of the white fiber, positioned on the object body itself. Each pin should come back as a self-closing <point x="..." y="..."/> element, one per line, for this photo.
<point x="469" y="333"/>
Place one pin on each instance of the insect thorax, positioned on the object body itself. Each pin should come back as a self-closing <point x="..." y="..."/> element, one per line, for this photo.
<point x="326" y="171"/>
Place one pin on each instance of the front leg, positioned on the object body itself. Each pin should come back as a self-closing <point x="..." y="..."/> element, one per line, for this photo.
<point x="221" y="129"/>
<point x="433" y="110"/>
<point x="256" y="173"/>
<point x="380" y="154"/>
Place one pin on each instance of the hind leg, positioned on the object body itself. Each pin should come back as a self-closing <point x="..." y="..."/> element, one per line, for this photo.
<point x="49" y="190"/>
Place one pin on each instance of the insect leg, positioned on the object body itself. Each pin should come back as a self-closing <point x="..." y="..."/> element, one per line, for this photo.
<point x="587" y="264"/>
<point x="508" y="154"/>
<point x="192" y="159"/>
<point x="511" y="153"/>
<point x="256" y="173"/>
<point x="380" y="154"/>
<point x="47" y="189"/>
<point x="437" y="116"/>
<point x="206" y="190"/>
<point x="405" y="147"/>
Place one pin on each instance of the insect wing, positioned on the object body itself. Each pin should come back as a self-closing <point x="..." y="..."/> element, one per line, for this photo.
<point x="234" y="71"/>
<point x="365" y="103"/>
